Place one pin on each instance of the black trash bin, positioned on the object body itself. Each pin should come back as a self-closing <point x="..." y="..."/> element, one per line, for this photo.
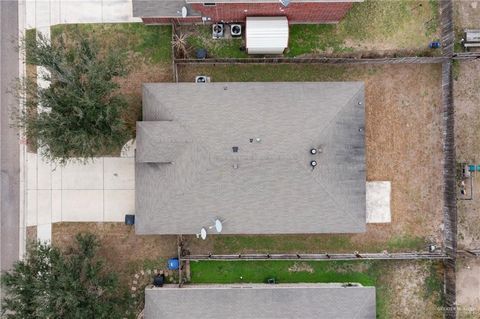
<point x="129" y="219"/>
<point x="158" y="280"/>
<point x="201" y="54"/>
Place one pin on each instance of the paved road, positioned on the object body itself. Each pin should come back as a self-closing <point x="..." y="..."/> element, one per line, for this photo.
<point x="9" y="146"/>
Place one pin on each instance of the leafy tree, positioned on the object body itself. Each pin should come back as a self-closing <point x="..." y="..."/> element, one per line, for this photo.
<point x="82" y="109"/>
<point x="51" y="284"/>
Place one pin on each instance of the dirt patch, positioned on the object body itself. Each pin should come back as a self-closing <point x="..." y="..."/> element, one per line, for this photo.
<point x="131" y="86"/>
<point x="403" y="145"/>
<point x="468" y="288"/>
<point x="301" y="267"/>
<point x="467" y="142"/>
<point x="124" y="251"/>
<point x="31" y="234"/>
<point x="466" y="13"/>
<point x="409" y="295"/>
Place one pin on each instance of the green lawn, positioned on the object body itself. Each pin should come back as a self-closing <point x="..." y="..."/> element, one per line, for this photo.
<point x="374" y="26"/>
<point x="151" y="42"/>
<point x="268" y="73"/>
<point x="261" y="271"/>
<point x="313" y="244"/>
<point x="368" y="273"/>
<point x="202" y="38"/>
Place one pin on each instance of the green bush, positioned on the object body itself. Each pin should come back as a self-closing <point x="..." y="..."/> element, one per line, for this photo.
<point x="51" y="284"/>
<point x="82" y="109"/>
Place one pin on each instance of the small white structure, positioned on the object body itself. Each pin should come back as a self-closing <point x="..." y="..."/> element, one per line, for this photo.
<point x="266" y="35"/>
<point x="378" y="202"/>
<point x="471" y="38"/>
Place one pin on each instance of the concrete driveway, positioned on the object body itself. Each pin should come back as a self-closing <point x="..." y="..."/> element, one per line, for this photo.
<point x="102" y="190"/>
<point x="44" y="13"/>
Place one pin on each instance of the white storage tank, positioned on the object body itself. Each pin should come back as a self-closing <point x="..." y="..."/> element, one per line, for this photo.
<point x="266" y="35"/>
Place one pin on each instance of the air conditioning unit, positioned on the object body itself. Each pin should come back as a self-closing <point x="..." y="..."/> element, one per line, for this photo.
<point x="202" y="79"/>
<point x="218" y="30"/>
<point x="236" y="30"/>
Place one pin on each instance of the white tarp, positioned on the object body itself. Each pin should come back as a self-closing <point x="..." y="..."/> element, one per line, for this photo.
<point x="267" y="35"/>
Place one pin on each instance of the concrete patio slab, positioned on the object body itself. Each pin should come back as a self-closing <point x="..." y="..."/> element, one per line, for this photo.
<point x="118" y="203"/>
<point x="82" y="205"/>
<point x="378" y="202"/>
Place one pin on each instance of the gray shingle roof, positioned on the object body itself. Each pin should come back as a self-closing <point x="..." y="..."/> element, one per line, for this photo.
<point x="266" y="1"/>
<point x="161" y="8"/>
<point x="187" y="174"/>
<point x="261" y="301"/>
<point x="172" y="8"/>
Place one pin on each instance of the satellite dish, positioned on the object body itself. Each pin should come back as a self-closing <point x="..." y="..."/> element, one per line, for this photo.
<point x="218" y="225"/>
<point x="203" y="233"/>
<point x="184" y="12"/>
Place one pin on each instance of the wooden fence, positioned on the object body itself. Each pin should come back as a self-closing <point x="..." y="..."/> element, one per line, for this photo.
<point x="325" y="256"/>
<point x="449" y="160"/>
<point x="319" y="60"/>
<point x="465" y="56"/>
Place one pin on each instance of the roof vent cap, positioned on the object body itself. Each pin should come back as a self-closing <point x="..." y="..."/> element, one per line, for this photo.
<point x="313" y="163"/>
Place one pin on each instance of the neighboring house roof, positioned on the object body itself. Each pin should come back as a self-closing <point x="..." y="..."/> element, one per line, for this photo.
<point x="187" y="173"/>
<point x="268" y="1"/>
<point x="172" y="8"/>
<point x="161" y="8"/>
<point x="261" y="301"/>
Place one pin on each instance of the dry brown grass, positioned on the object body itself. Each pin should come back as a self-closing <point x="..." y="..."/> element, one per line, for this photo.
<point x="467" y="140"/>
<point x="124" y="251"/>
